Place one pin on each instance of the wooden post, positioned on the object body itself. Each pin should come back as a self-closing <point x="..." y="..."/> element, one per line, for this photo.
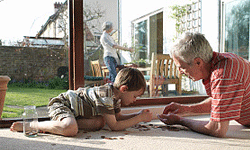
<point x="76" y="51"/>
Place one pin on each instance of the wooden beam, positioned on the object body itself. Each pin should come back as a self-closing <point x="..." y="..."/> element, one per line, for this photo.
<point x="76" y="52"/>
<point x="167" y="100"/>
<point x="70" y="52"/>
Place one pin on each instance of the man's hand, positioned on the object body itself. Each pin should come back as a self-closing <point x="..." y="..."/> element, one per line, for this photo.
<point x="175" y="108"/>
<point x="169" y="119"/>
<point x="145" y="115"/>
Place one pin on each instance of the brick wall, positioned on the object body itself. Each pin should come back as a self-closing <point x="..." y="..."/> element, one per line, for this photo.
<point x="31" y="63"/>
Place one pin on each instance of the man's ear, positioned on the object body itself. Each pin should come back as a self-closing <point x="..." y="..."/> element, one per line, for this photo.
<point x="198" y="62"/>
<point x="123" y="88"/>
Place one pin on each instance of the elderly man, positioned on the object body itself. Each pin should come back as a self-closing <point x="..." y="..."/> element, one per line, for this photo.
<point x="226" y="78"/>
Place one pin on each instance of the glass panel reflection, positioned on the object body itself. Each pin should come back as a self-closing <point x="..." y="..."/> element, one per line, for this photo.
<point x="141" y="38"/>
<point x="33" y="52"/>
<point x="237" y="27"/>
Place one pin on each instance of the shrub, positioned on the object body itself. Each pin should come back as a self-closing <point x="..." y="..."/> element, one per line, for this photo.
<point x="54" y="83"/>
<point x="59" y="83"/>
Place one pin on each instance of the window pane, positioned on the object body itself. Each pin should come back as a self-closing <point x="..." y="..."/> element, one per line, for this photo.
<point x="33" y="52"/>
<point x="141" y="38"/>
<point x="237" y="27"/>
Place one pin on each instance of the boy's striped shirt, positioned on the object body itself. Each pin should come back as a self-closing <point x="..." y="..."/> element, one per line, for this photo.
<point x="229" y="87"/>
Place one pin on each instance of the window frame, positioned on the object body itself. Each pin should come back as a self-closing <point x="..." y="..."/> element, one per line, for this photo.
<point x="76" y="63"/>
<point x="76" y="66"/>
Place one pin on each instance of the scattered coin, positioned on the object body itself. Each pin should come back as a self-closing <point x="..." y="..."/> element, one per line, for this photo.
<point x="146" y="127"/>
<point x="88" y="137"/>
<point x="108" y="138"/>
<point x="103" y="137"/>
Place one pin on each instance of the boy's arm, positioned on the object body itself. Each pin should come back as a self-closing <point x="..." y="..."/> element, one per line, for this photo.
<point x="119" y="116"/>
<point x="144" y="116"/>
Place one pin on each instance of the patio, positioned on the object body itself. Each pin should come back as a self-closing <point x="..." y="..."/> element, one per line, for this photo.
<point x="152" y="135"/>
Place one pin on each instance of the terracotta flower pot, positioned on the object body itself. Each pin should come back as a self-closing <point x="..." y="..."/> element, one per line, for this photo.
<point x="4" y="80"/>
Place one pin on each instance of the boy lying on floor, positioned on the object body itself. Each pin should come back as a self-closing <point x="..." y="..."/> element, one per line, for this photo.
<point x="91" y="108"/>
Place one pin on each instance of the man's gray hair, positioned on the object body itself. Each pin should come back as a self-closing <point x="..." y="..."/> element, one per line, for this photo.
<point x="107" y="25"/>
<point x="191" y="46"/>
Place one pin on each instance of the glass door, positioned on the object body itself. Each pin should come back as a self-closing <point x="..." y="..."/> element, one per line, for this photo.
<point x="141" y="38"/>
<point x="236" y="27"/>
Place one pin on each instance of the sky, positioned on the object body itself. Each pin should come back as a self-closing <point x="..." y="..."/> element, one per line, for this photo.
<point x="20" y="18"/>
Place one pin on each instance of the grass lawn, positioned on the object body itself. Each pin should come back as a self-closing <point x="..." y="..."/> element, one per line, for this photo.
<point x="17" y="97"/>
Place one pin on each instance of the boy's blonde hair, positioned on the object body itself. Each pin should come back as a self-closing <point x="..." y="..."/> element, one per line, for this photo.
<point x="131" y="77"/>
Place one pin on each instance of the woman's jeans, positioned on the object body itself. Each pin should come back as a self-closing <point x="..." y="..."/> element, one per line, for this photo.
<point x="111" y="64"/>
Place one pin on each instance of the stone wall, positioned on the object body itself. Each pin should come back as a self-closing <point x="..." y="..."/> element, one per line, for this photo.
<point x="30" y="63"/>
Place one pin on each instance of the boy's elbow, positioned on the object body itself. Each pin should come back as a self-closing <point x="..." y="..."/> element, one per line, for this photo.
<point x="114" y="129"/>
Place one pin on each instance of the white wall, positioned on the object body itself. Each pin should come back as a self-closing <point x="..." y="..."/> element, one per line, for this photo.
<point x="210" y="22"/>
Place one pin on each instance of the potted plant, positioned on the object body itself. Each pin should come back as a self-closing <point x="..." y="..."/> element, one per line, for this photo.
<point x="141" y="62"/>
<point x="3" y="88"/>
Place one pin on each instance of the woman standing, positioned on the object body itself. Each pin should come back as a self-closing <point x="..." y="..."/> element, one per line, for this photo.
<point x="110" y="56"/>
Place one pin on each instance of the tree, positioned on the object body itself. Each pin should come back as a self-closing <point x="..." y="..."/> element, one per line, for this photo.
<point x="92" y="13"/>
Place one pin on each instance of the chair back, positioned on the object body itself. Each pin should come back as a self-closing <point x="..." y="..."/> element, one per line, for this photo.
<point x="163" y="72"/>
<point x="166" y="67"/>
<point x="96" y="68"/>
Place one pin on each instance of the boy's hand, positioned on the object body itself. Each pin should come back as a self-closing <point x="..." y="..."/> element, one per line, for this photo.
<point x="145" y="115"/>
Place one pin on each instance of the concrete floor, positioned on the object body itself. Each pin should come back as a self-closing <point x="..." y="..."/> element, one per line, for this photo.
<point x="153" y="135"/>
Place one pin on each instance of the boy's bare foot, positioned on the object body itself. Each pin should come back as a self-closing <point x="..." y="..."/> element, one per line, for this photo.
<point x="17" y="126"/>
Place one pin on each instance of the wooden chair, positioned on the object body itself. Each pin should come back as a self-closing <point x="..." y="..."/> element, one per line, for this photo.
<point x="96" y="68"/>
<point x="163" y="72"/>
<point x="97" y="77"/>
<point x="105" y="71"/>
